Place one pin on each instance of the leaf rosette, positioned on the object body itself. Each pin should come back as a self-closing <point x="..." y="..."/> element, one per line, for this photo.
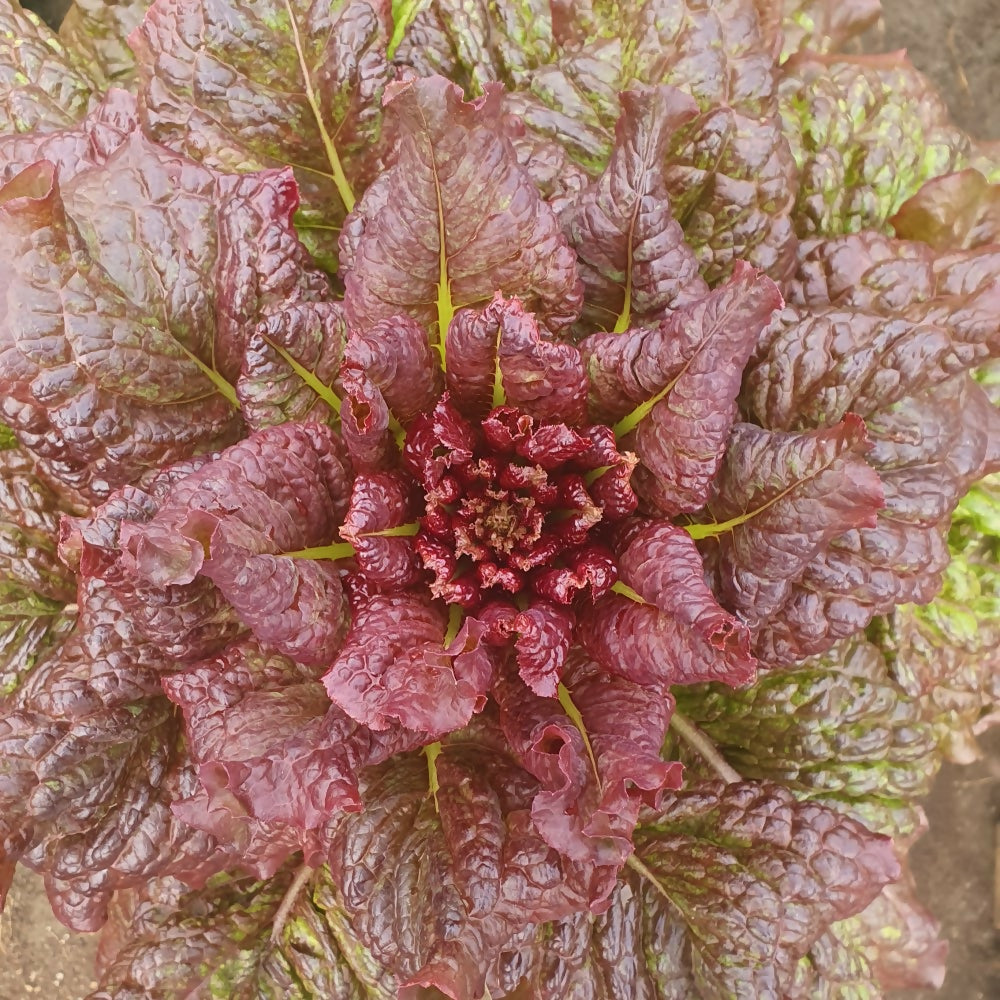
<point x="383" y="462"/>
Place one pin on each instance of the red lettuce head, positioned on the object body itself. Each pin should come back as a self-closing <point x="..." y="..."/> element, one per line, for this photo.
<point x="424" y="568"/>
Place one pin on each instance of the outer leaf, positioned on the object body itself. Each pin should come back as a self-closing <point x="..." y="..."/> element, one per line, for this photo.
<point x="454" y="220"/>
<point x="260" y="726"/>
<point x="40" y="87"/>
<point x="87" y="799"/>
<point x="893" y="943"/>
<point x="594" y="780"/>
<point x="26" y="641"/>
<point x="817" y="25"/>
<point x="96" y="31"/>
<point x="309" y="75"/>
<point x="758" y="877"/>
<point x="785" y="497"/>
<point x="940" y="437"/>
<point x="958" y="211"/>
<point x="866" y="133"/>
<point x="679" y="634"/>
<point x="637" y="948"/>
<point x="120" y="377"/>
<point x="219" y="941"/>
<point x="634" y="262"/>
<point x="32" y="580"/>
<point x="730" y="175"/>
<point x="436" y="885"/>
<point x="397" y="668"/>
<point x="789" y="728"/>
<point x="234" y="519"/>
<point x="732" y="178"/>
<point x="875" y="320"/>
<point x="76" y="146"/>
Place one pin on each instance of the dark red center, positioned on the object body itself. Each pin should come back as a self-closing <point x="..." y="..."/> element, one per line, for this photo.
<point x="512" y="506"/>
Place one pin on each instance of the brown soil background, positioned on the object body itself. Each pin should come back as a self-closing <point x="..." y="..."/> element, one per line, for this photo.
<point x="957" y="44"/>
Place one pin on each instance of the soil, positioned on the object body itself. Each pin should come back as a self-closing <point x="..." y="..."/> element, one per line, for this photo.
<point x="957" y="44"/>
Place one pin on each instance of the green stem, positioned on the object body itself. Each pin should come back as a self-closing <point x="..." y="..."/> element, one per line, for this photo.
<point x="714" y="528"/>
<point x="339" y="177"/>
<point x="321" y="389"/>
<point x="633" y="419"/>
<point x="432" y="751"/>
<point x="626" y="591"/>
<point x="705" y="748"/>
<point x="569" y="707"/>
<point x="224" y="388"/>
<point x="340" y="550"/>
<point x="456" y="615"/>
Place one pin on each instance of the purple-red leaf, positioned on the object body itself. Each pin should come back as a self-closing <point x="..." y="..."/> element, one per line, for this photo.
<point x="757" y="877"/>
<point x="309" y="78"/>
<point x="676" y="633"/>
<point x="435" y="885"/>
<point x="262" y="727"/>
<point x="596" y="778"/>
<point x="634" y="262"/>
<point x="41" y="88"/>
<point x="781" y="500"/>
<point x="501" y="349"/>
<point x="454" y="220"/>
<point x="398" y="667"/>
<point x="282" y="490"/>
<point x="689" y="370"/>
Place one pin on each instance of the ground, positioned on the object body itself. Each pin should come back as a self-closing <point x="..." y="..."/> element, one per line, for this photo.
<point x="957" y="44"/>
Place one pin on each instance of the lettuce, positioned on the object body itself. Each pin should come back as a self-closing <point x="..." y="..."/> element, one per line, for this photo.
<point x="481" y="494"/>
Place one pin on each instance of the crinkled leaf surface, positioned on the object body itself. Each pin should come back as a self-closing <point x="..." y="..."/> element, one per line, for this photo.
<point x="219" y="940"/>
<point x="817" y="25"/>
<point x="757" y="877"/>
<point x="594" y="779"/>
<point x="454" y="220"/>
<point x="273" y="83"/>
<point x="34" y="584"/>
<point x="676" y="633"/>
<point x="684" y="376"/>
<point x="634" y="262"/>
<point x="41" y="87"/>
<point x="261" y="725"/>
<point x="436" y="884"/>
<point x="892" y="944"/>
<point x="789" y="728"/>
<point x="398" y="667"/>
<point x="282" y="490"/>
<point x="785" y="497"/>
<point x="866" y="133"/>
<point x="106" y="373"/>
<point x="76" y="146"/>
<point x="96" y="32"/>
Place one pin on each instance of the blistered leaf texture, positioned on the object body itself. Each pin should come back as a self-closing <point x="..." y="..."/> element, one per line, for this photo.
<point x="107" y="374"/>
<point x="216" y="78"/>
<point x="96" y="32"/>
<point x="789" y="727"/>
<point x="866" y="133"/>
<point x="454" y="220"/>
<point x="757" y="877"/>
<point x="41" y="87"/>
